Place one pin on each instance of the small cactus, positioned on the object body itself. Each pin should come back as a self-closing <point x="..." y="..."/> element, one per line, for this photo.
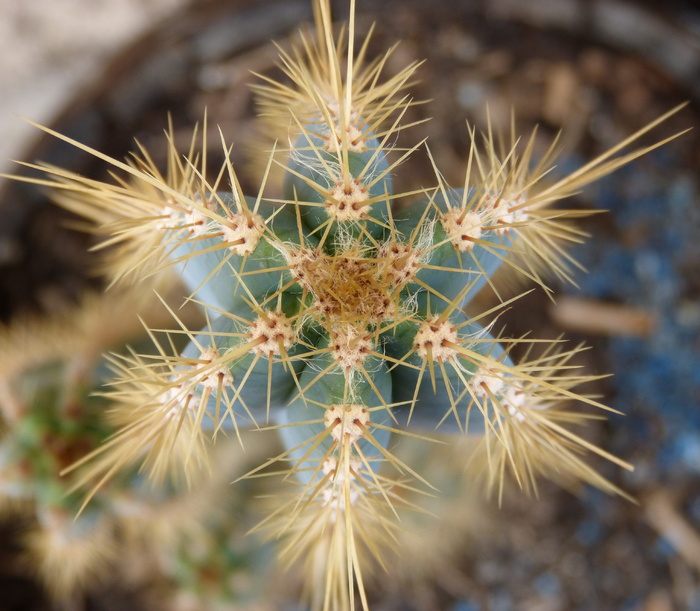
<point x="335" y="310"/>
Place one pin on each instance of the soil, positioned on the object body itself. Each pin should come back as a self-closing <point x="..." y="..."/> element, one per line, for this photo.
<point x="563" y="66"/>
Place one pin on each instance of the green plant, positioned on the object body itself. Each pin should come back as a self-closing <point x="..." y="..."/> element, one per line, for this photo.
<point x="335" y="311"/>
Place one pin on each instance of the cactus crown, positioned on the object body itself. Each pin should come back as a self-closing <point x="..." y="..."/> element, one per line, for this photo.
<point x="335" y="311"/>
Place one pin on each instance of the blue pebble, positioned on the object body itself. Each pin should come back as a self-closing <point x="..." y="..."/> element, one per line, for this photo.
<point x="547" y="585"/>
<point x="589" y="532"/>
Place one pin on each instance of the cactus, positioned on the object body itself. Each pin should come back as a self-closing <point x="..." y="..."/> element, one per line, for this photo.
<point x="336" y="310"/>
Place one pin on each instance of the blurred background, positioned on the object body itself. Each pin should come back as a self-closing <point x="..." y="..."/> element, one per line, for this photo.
<point x="48" y="50"/>
<point x="106" y="72"/>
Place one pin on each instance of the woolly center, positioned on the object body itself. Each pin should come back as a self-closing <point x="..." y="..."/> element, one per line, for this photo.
<point x="351" y="346"/>
<point x="346" y="287"/>
<point x="242" y="232"/>
<point x="347" y="201"/>
<point x="462" y="228"/>
<point x="504" y="213"/>
<point x="399" y="263"/>
<point x="347" y="421"/>
<point x="213" y="377"/>
<point x="271" y="334"/>
<point x="436" y="340"/>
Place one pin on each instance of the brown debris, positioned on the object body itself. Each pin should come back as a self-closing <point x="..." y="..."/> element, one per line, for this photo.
<point x="601" y="318"/>
<point x="665" y="518"/>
